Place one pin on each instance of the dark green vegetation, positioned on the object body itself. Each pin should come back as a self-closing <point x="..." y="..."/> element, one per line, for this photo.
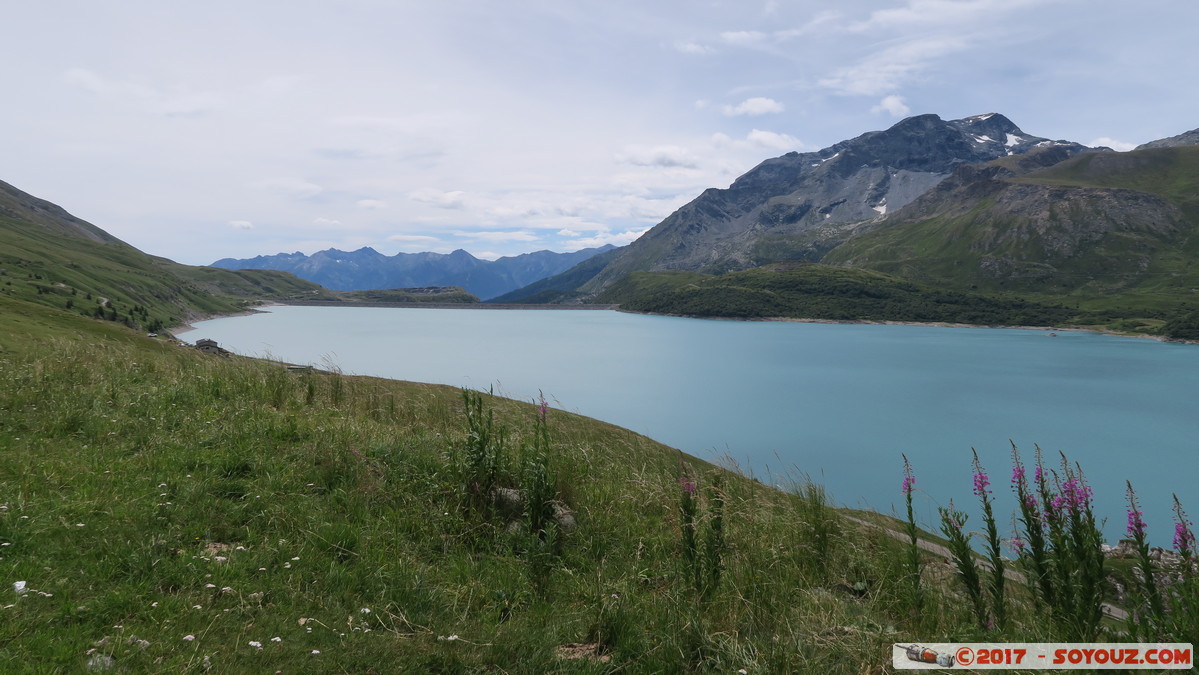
<point x="811" y="291"/>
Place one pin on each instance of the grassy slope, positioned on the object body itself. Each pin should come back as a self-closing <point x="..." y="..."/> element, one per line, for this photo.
<point x="813" y="291"/>
<point x="51" y="258"/>
<point x="1108" y="279"/>
<point x="129" y="465"/>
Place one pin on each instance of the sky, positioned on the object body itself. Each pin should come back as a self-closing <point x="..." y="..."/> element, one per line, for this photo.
<point x="199" y="131"/>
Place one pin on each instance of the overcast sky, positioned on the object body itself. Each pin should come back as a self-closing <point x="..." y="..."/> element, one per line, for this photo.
<point x="214" y="129"/>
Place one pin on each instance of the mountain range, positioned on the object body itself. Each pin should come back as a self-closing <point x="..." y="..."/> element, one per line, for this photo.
<point x="974" y="205"/>
<point x="969" y="220"/>
<point x="366" y="268"/>
<point x="801" y="205"/>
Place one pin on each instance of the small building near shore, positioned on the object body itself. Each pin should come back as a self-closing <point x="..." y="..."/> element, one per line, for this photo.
<point x="211" y="347"/>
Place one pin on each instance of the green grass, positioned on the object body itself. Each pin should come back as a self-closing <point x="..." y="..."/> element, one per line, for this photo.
<point x="115" y="281"/>
<point x="149" y="493"/>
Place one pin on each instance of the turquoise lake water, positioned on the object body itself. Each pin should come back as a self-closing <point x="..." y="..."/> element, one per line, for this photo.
<point x="838" y="402"/>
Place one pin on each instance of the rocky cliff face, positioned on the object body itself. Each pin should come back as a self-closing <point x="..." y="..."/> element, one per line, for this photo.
<point x="1187" y="138"/>
<point x="801" y="205"/>
<point x="1006" y="224"/>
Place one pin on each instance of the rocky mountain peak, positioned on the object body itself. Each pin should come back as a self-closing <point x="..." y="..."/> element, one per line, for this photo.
<point x="799" y="205"/>
<point x="1186" y="138"/>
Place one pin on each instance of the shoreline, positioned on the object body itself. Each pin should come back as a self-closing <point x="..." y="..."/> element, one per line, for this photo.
<point x="187" y="327"/>
<point x="934" y="324"/>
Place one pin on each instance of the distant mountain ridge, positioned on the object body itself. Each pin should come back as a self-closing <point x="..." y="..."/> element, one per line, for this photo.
<point x="1186" y="138"/>
<point x="367" y="269"/>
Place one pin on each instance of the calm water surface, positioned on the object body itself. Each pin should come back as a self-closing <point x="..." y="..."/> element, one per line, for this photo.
<point x="837" y="402"/>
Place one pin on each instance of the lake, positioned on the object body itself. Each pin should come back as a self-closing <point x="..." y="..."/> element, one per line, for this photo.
<point x="838" y="402"/>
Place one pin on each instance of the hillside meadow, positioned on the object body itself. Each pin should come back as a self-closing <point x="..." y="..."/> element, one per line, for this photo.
<point x="162" y="510"/>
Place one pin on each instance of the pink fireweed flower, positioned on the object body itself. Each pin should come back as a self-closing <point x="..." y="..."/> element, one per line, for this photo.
<point x="1056" y="506"/>
<point x="981" y="480"/>
<point x="1184" y="539"/>
<point x="543" y="408"/>
<point x="1136" y="526"/>
<point x="981" y="483"/>
<point x="687" y="484"/>
<point x="909" y="479"/>
<point x="1017" y="475"/>
<point x="1077" y="494"/>
<point x="1030" y="502"/>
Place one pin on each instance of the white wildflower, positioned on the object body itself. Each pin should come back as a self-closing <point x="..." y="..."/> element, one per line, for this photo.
<point x="189" y="638"/>
<point x="18" y="587"/>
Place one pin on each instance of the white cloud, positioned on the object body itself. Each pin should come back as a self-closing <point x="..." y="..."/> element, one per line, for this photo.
<point x="660" y="155"/>
<point x="773" y="141"/>
<point x="296" y="188"/>
<point x="691" y="47"/>
<point x="241" y="224"/>
<point x="941" y="12"/>
<point x="413" y="239"/>
<point x="1105" y="142"/>
<point x="371" y="204"/>
<point x="888" y="70"/>
<point x="754" y="106"/>
<point x="744" y="38"/>
<point x="177" y="100"/>
<point x="499" y="236"/>
<point x="893" y="105"/>
<point x="442" y="200"/>
<point x="326" y="222"/>
<point x="564" y="232"/>
<point x="603" y="238"/>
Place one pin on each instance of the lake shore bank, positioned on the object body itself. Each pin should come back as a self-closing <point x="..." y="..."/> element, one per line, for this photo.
<point x="187" y="327"/>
